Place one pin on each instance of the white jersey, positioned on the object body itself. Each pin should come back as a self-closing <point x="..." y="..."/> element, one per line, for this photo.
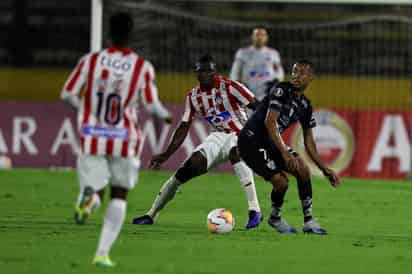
<point x="255" y="67"/>
<point x="223" y="106"/>
<point x="113" y="81"/>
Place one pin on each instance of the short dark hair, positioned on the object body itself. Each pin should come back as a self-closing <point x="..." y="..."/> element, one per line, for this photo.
<point x="306" y="62"/>
<point x="205" y="62"/>
<point x="120" y="28"/>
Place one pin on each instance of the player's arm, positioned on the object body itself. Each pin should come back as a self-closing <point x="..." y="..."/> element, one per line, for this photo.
<point x="150" y="96"/>
<point x="236" y="70"/>
<point x="178" y="136"/>
<point x="272" y="128"/>
<point x="311" y="150"/>
<point x="243" y="95"/>
<point x="71" y="91"/>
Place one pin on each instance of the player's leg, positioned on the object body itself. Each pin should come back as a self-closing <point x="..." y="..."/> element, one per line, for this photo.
<point x="195" y="166"/>
<point x="303" y="177"/>
<point x="93" y="175"/>
<point x="260" y="161"/>
<point x="124" y="172"/>
<point x="247" y="181"/>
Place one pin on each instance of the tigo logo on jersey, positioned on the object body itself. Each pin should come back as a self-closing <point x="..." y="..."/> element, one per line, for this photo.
<point x="218" y="118"/>
<point x="334" y="140"/>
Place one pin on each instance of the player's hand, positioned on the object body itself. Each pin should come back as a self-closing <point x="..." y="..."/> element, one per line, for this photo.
<point x="168" y="120"/>
<point x="292" y="163"/>
<point x="157" y="160"/>
<point x="332" y="177"/>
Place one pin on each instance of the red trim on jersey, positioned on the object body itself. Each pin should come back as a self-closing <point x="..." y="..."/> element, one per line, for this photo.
<point x="210" y="100"/>
<point x="93" y="147"/>
<point x="200" y="102"/>
<point x="75" y="77"/>
<point x="235" y="107"/>
<point x="109" y="146"/>
<point x="82" y="144"/>
<point x="105" y="74"/>
<point x="242" y="90"/>
<point x="125" y="149"/>
<point x="135" y="76"/>
<point x="88" y="95"/>
<point x="192" y="107"/>
<point x="148" y="90"/>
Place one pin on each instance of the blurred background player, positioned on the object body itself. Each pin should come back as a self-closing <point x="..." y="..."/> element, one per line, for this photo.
<point x="257" y="64"/>
<point x="115" y="79"/>
<point x="221" y="103"/>
<point x="262" y="148"/>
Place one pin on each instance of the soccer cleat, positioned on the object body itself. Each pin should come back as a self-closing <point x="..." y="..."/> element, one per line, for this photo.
<point x="84" y="208"/>
<point x="103" y="261"/>
<point x="281" y="226"/>
<point x="255" y="218"/>
<point x="143" y="220"/>
<point x="313" y="227"/>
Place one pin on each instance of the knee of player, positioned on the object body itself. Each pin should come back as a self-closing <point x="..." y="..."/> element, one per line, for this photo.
<point x="190" y="169"/>
<point x="118" y="193"/>
<point x="280" y="182"/>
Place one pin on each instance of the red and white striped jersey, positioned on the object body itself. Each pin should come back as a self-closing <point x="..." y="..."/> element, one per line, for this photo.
<point x="112" y="80"/>
<point x="223" y="106"/>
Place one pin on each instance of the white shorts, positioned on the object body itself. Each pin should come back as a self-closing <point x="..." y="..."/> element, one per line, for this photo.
<point x="216" y="147"/>
<point x="98" y="171"/>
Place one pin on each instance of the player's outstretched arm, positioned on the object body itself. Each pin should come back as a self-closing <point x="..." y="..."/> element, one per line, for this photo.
<point x="178" y="137"/>
<point x="310" y="147"/>
<point x="271" y="125"/>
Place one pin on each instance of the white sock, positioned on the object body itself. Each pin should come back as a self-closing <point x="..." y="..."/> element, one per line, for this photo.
<point x="245" y="175"/>
<point x="113" y="221"/>
<point x="166" y="194"/>
<point x="96" y="202"/>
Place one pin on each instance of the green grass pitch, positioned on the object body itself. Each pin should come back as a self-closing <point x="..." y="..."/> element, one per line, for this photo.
<point x="369" y="222"/>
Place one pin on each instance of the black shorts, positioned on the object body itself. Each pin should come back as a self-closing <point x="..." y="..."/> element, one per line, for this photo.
<point x="265" y="160"/>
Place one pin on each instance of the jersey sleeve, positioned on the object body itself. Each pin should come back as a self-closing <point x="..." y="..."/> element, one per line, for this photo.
<point x="189" y="110"/>
<point x="308" y="120"/>
<point x="235" y="71"/>
<point x="241" y="93"/>
<point x="277" y="98"/>
<point x="149" y="94"/>
<point x="76" y="81"/>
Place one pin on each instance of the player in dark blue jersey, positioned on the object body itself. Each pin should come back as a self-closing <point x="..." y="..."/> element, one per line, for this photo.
<point x="262" y="148"/>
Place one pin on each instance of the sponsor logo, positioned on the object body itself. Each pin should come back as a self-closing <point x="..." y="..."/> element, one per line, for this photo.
<point x="334" y="141"/>
<point x="107" y="132"/>
<point x="218" y="118"/>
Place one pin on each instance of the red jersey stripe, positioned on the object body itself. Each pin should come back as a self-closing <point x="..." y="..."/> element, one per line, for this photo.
<point x="148" y="90"/>
<point x="93" y="147"/>
<point x="75" y="77"/>
<point x="109" y="147"/>
<point x="133" y="82"/>
<point x="88" y="95"/>
<point x="242" y="91"/>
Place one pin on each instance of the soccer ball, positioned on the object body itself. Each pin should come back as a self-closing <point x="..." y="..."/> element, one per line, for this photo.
<point x="220" y="221"/>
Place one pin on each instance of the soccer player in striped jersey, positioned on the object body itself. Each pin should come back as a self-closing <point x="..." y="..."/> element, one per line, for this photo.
<point x="262" y="148"/>
<point x="258" y="64"/>
<point x="221" y="102"/>
<point x="114" y="80"/>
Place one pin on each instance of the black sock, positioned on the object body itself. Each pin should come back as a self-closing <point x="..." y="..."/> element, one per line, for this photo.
<point x="305" y="195"/>
<point x="277" y="198"/>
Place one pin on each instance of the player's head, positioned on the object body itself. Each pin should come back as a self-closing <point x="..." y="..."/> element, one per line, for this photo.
<point x="302" y="74"/>
<point x="205" y="68"/>
<point x="259" y="36"/>
<point x="120" y="28"/>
